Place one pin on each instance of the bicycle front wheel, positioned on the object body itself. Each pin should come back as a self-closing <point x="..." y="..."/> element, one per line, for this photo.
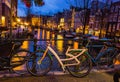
<point x="83" y="68"/>
<point x="18" y="60"/>
<point x="39" y="69"/>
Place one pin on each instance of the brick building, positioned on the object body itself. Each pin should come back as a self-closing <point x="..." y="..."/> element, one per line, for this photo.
<point x="113" y="26"/>
<point x="5" y="12"/>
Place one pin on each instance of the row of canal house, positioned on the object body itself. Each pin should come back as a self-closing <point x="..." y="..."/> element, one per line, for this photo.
<point x="113" y="25"/>
<point x="103" y="21"/>
<point x="8" y="11"/>
<point x="106" y="22"/>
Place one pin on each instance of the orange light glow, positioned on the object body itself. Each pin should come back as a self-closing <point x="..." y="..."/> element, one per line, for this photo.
<point x="25" y="45"/>
<point x="75" y="45"/>
<point x="60" y="43"/>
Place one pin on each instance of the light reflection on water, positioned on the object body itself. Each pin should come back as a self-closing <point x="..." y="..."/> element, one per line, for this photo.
<point x="60" y="44"/>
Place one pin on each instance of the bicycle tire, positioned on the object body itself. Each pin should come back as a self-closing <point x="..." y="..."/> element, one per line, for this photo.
<point x="83" y="69"/>
<point x="39" y="69"/>
<point x="18" y="61"/>
<point x="116" y="60"/>
<point x="107" y="61"/>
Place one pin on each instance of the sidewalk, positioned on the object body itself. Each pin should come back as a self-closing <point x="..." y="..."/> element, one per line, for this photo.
<point x="56" y="75"/>
<point x="94" y="76"/>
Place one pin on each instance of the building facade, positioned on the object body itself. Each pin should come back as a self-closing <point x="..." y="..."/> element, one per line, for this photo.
<point x="113" y="26"/>
<point x="0" y="11"/>
<point x="8" y="10"/>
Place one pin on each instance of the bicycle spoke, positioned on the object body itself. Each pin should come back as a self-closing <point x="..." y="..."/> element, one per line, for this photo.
<point x="18" y="61"/>
<point x="39" y="68"/>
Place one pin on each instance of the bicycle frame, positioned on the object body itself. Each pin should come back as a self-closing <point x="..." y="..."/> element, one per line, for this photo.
<point x="13" y="48"/>
<point x="7" y="58"/>
<point x="71" y="57"/>
<point x="105" y="49"/>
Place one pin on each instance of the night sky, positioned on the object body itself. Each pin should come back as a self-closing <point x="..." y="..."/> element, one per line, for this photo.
<point x="50" y="7"/>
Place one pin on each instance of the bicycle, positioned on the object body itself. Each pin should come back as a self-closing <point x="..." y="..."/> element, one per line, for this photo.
<point x="39" y="63"/>
<point x="117" y="53"/>
<point x="106" y="56"/>
<point x="116" y="75"/>
<point x="14" y="58"/>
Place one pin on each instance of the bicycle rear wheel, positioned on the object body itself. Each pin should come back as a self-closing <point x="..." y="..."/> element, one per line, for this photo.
<point x="39" y="69"/>
<point x="107" y="61"/>
<point x="18" y="60"/>
<point x="116" y="60"/>
<point x="83" y="68"/>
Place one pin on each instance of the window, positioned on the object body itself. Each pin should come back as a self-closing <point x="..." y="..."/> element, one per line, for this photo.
<point x="119" y="11"/>
<point x="112" y="9"/>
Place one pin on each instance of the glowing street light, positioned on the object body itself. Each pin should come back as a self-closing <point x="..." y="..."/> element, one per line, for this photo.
<point x="18" y="20"/>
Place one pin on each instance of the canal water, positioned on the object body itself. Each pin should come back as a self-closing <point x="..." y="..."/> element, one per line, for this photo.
<point x="59" y="43"/>
<point x="58" y="40"/>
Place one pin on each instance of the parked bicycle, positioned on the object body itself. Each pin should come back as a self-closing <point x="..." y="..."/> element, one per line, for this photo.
<point x="106" y="57"/>
<point x="78" y="62"/>
<point x="40" y="62"/>
<point x="14" y="59"/>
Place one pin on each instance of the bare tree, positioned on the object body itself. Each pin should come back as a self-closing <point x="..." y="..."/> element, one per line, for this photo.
<point x="101" y="15"/>
<point x="82" y="7"/>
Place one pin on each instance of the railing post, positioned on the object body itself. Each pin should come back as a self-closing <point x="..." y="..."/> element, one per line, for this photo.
<point x="34" y="56"/>
<point x="35" y="44"/>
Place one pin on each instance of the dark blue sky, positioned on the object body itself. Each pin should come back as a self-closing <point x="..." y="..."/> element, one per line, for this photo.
<point x="50" y="7"/>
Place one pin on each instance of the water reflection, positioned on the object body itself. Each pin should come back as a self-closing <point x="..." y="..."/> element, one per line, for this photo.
<point x="38" y="34"/>
<point x="76" y="45"/>
<point x="17" y="59"/>
<point x="25" y="45"/>
<point x="58" y="41"/>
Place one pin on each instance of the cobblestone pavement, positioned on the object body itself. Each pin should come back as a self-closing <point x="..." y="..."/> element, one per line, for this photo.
<point x="94" y="76"/>
<point x="56" y="75"/>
